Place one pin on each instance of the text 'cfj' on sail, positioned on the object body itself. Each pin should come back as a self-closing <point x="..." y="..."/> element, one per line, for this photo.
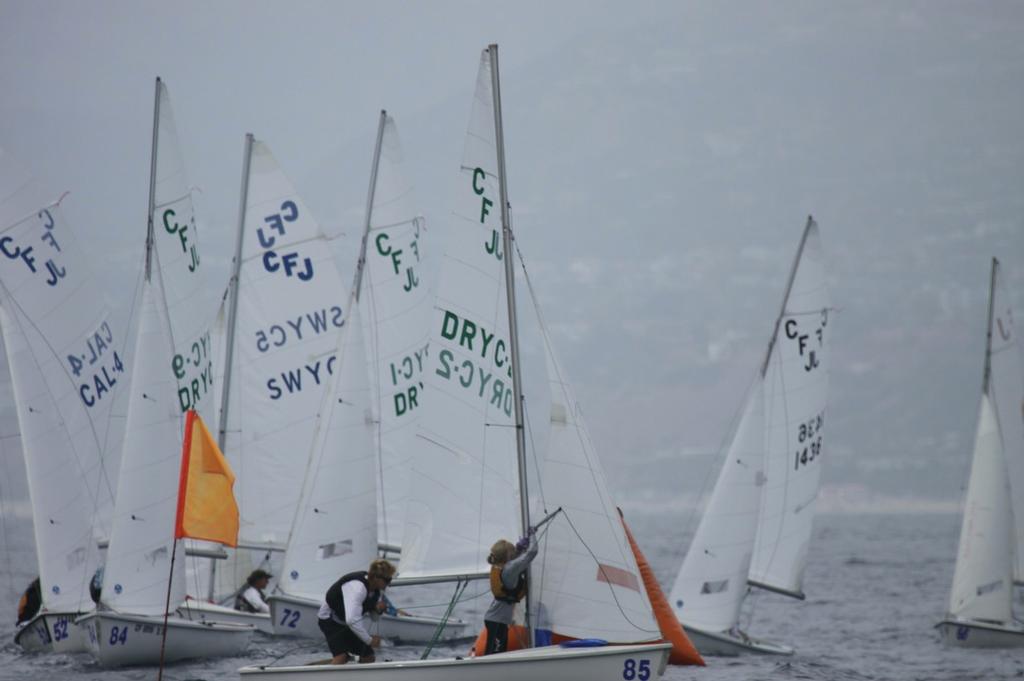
<point x="757" y="524"/>
<point x="980" y="613"/>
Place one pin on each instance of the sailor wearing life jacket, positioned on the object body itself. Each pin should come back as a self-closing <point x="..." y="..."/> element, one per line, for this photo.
<point x="342" y="616"/>
<point x="251" y="598"/>
<point x="508" y="586"/>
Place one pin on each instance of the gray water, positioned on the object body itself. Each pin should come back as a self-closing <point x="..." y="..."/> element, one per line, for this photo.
<point x="875" y="584"/>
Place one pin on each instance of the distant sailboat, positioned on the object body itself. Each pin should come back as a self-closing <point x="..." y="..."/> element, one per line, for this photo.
<point x="172" y="373"/>
<point x="980" y="610"/>
<point x="66" y="364"/>
<point x="757" y="524"/>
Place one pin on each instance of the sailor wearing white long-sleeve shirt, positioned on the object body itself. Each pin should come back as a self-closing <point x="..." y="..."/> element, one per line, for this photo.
<point x="347" y="604"/>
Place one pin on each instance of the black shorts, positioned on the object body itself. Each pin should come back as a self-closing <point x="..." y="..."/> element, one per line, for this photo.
<point x="341" y="639"/>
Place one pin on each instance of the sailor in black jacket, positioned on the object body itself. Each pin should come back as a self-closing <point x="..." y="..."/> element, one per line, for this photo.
<point x="347" y="603"/>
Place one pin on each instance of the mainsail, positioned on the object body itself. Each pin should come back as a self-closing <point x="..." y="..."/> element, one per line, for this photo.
<point x="795" y="384"/>
<point x="463" y="491"/>
<point x="290" y="309"/>
<point x="395" y="300"/>
<point x="66" y="363"/>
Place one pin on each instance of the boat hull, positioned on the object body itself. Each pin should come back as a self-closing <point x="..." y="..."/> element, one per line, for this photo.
<point x="201" y="611"/>
<point x="291" y="616"/>
<point x="52" y="632"/>
<point x="118" y="640"/>
<point x="973" y="634"/>
<point x="727" y="645"/>
<point x="607" y="663"/>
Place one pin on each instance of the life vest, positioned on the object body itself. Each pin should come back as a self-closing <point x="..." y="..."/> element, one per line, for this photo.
<point x="502" y="594"/>
<point x="336" y="600"/>
<point x="243" y="605"/>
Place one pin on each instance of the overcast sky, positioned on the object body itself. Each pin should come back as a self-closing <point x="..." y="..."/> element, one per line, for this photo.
<point x="662" y="160"/>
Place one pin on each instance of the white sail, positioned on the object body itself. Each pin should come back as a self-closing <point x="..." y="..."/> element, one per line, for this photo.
<point x="795" y="388"/>
<point x="586" y="579"/>
<point x="66" y="365"/>
<point x="291" y="303"/>
<point x="139" y="556"/>
<point x="395" y="302"/>
<point x="172" y="372"/>
<point x="1007" y="393"/>
<point x="335" y="528"/>
<point x="982" y="586"/>
<point x="712" y="582"/>
<point x="463" y="489"/>
<point x="176" y="240"/>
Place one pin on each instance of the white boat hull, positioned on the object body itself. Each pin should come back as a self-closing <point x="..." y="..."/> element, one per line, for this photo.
<point x="117" y="640"/>
<point x="291" y="616"/>
<point x="725" y="644"/>
<point x="607" y="663"/>
<point x="52" y="632"/>
<point x="974" y="634"/>
<point x="201" y="611"/>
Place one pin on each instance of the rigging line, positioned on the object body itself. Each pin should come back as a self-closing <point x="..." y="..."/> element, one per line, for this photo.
<point x="460" y="587"/>
<point x="607" y="581"/>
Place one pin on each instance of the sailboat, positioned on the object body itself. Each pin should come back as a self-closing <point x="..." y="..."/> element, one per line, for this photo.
<point x="66" y="364"/>
<point x="980" y="613"/>
<point x="286" y="314"/>
<point x="172" y="374"/>
<point x="757" y="524"/>
<point x="284" y="310"/>
<point x="469" y="467"/>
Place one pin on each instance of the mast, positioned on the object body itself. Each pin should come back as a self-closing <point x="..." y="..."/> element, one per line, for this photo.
<point x="785" y="297"/>
<point x="513" y="330"/>
<point x="229" y="348"/>
<point x="233" y="282"/>
<point x="987" y="375"/>
<point x="152" y="179"/>
<point x="357" y="285"/>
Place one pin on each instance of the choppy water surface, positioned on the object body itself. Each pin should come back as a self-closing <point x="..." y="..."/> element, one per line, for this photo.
<point x="875" y="587"/>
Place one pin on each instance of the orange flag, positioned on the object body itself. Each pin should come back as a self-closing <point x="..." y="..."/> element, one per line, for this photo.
<point x="206" y="504"/>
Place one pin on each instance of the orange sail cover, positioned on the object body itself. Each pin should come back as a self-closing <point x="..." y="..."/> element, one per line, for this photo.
<point x="206" y="504"/>
<point x="683" y="651"/>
